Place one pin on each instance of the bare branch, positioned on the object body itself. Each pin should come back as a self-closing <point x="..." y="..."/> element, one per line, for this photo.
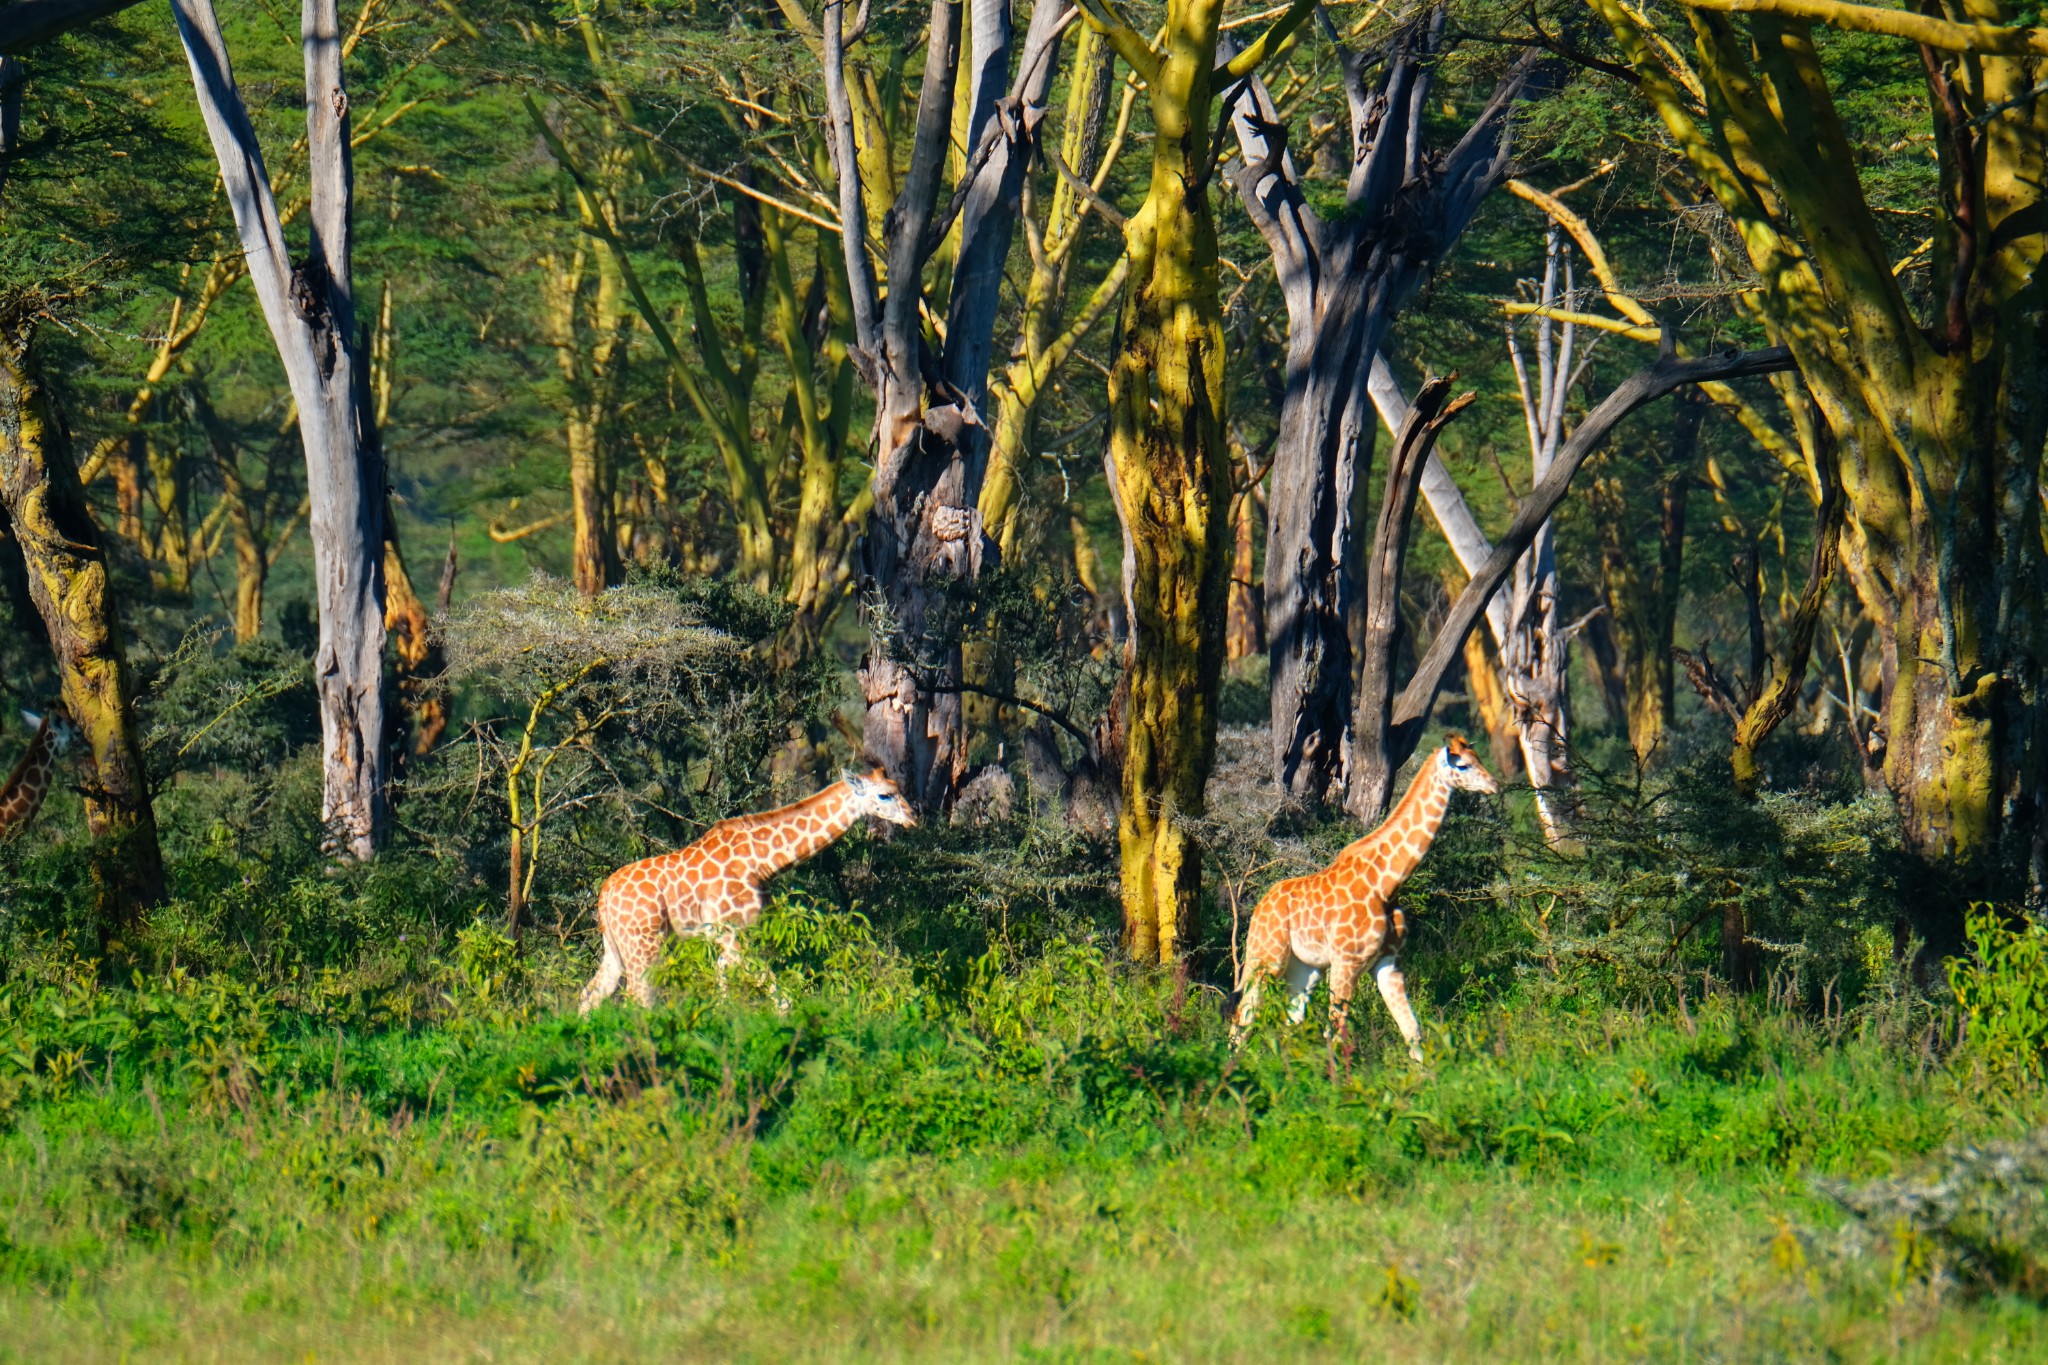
<point x="1666" y="373"/>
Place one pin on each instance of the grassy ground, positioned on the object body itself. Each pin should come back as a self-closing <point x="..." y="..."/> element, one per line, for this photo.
<point x="1053" y="1160"/>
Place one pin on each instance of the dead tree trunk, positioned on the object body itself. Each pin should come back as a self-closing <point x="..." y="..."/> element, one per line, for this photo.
<point x="1371" y="774"/>
<point x="925" y="532"/>
<point x="1383" y="739"/>
<point x="310" y="308"/>
<point x="1536" y="650"/>
<point x="1344" y="281"/>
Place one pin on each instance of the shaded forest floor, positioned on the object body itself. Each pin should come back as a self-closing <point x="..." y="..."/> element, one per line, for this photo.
<point x="1053" y="1159"/>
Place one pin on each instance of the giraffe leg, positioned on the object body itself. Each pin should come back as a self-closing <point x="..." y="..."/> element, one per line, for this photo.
<point x="1301" y="983"/>
<point x="638" y="948"/>
<point x="1262" y="959"/>
<point x="1394" y="990"/>
<point x="605" y="982"/>
<point x="728" y="943"/>
<point x="1343" y="981"/>
<point x="637" y="984"/>
<point x="1247" y="1007"/>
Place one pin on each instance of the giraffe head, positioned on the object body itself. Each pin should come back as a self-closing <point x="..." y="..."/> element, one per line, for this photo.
<point x="62" y="729"/>
<point x="877" y="795"/>
<point x="1462" y="768"/>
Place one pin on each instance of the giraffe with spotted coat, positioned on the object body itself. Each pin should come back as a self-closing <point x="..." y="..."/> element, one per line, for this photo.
<point x="1343" y="919"/>
<point x="713" y="887"/>
<point x="22" y="794"/>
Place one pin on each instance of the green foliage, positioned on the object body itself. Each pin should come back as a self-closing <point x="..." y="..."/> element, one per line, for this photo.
<point x="2002" y="988"/>
<point x="1663" y="860"/>
<point x="1055" y="1127"/>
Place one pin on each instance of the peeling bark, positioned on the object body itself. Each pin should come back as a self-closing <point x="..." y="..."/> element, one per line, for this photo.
<point x="310" y="309"/>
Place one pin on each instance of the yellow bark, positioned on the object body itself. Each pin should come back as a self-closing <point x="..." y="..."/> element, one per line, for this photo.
<point x="1171" y="476"/>
<point x="67" y="573"/>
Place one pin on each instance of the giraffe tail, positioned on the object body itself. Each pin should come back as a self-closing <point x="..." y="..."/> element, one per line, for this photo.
<point x="1230" y="1004"/>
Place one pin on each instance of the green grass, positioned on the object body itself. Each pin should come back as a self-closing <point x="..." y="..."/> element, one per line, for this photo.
<point x="1057" y="1159"/>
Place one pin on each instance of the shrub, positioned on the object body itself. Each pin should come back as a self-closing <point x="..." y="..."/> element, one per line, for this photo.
<point x="2002" y="988"/>
<point x="1985" y="1213"/>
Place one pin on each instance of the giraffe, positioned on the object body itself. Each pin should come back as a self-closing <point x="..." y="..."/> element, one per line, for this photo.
<point x="22" y="795"/>
<point x="1343" y="918"/>
<point x="712" y="888"/>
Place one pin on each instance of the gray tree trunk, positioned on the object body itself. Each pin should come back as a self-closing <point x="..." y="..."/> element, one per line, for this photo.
<point x="1344" y="281"/>
<point x="930" y="439"/>
<point x="310" y="309"/>
<point x="1535" y="653"/>
<point x="1386" y="733"/>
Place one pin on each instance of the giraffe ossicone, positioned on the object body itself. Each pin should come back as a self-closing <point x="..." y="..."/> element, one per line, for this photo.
<point x="713" y="888"/>
<point x="1343" y="919"/>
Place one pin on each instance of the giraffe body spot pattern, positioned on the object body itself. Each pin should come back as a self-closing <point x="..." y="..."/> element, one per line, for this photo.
<point x="1343" y="920"/>
<point x="714" y="887"/>
<point x="21" y="796"/>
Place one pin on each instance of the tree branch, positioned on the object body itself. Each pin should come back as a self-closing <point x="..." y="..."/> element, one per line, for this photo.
<point x="1058" y="718"/>
<point x="1262" y="47"/>
<point x="1647" y="385"/>
<point x="1130" y="44"/>
<point x="28" y="22"/>
<point x="1894" y="23"/>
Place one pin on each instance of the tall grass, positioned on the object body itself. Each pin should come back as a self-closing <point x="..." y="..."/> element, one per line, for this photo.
<point x="1044" y="1156"/>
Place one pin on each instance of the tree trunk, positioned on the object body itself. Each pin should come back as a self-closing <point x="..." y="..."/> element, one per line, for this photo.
<point x="1490" y="702"/>
<point x="310" y="309"/>
<point x="1245" y="631"/>
<point x="1373" y="761"/>
<point x="925" y="532"/>
<point x="418" y="650"/>
<point x="1931" y="403"/>
<point x="1642" y="605"/>
<point x="1041" y="348"/>
<point x="1770" y="704"/>
<point x="67" y="576"/>
<point x="1344" y="281"/>
<point x="1169" y="466"/>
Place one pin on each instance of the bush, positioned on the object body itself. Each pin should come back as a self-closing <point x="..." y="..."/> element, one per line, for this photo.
<point x="2002" y="988"/>
<point x="1984" y="1214"/>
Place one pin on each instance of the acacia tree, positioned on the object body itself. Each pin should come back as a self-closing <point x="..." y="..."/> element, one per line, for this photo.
<point x="931" y="450"/>
<point x="1930" y="407"/>
<point x="1169" y="462"/>
<point x="1388" y="722"/>
<point x="1047" y="334"/>
<point x="46" y="515"/>
<point x="1535" y="651"/>
<point x="1344" y="279"/>
<point x="310" y="309"/>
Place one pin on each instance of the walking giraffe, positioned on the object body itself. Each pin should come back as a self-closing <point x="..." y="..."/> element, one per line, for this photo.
<point x="29" y="783"/>
<point x="1343" y="918"/>
<point x="712" y="888"/>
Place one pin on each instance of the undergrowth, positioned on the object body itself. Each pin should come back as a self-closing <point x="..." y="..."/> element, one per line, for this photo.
<point x="415" y="1156"/>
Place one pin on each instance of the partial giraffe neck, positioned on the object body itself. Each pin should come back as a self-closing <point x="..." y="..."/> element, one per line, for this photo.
<point x="1410" y="828"/>
<point x="29" y="783"/>
<point x="796" y="832"/>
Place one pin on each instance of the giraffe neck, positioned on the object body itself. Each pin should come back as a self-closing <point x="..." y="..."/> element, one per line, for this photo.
<point x="26" y="786"/>
<point x="1406" y="834"/>
<point x="798" y="831"/>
